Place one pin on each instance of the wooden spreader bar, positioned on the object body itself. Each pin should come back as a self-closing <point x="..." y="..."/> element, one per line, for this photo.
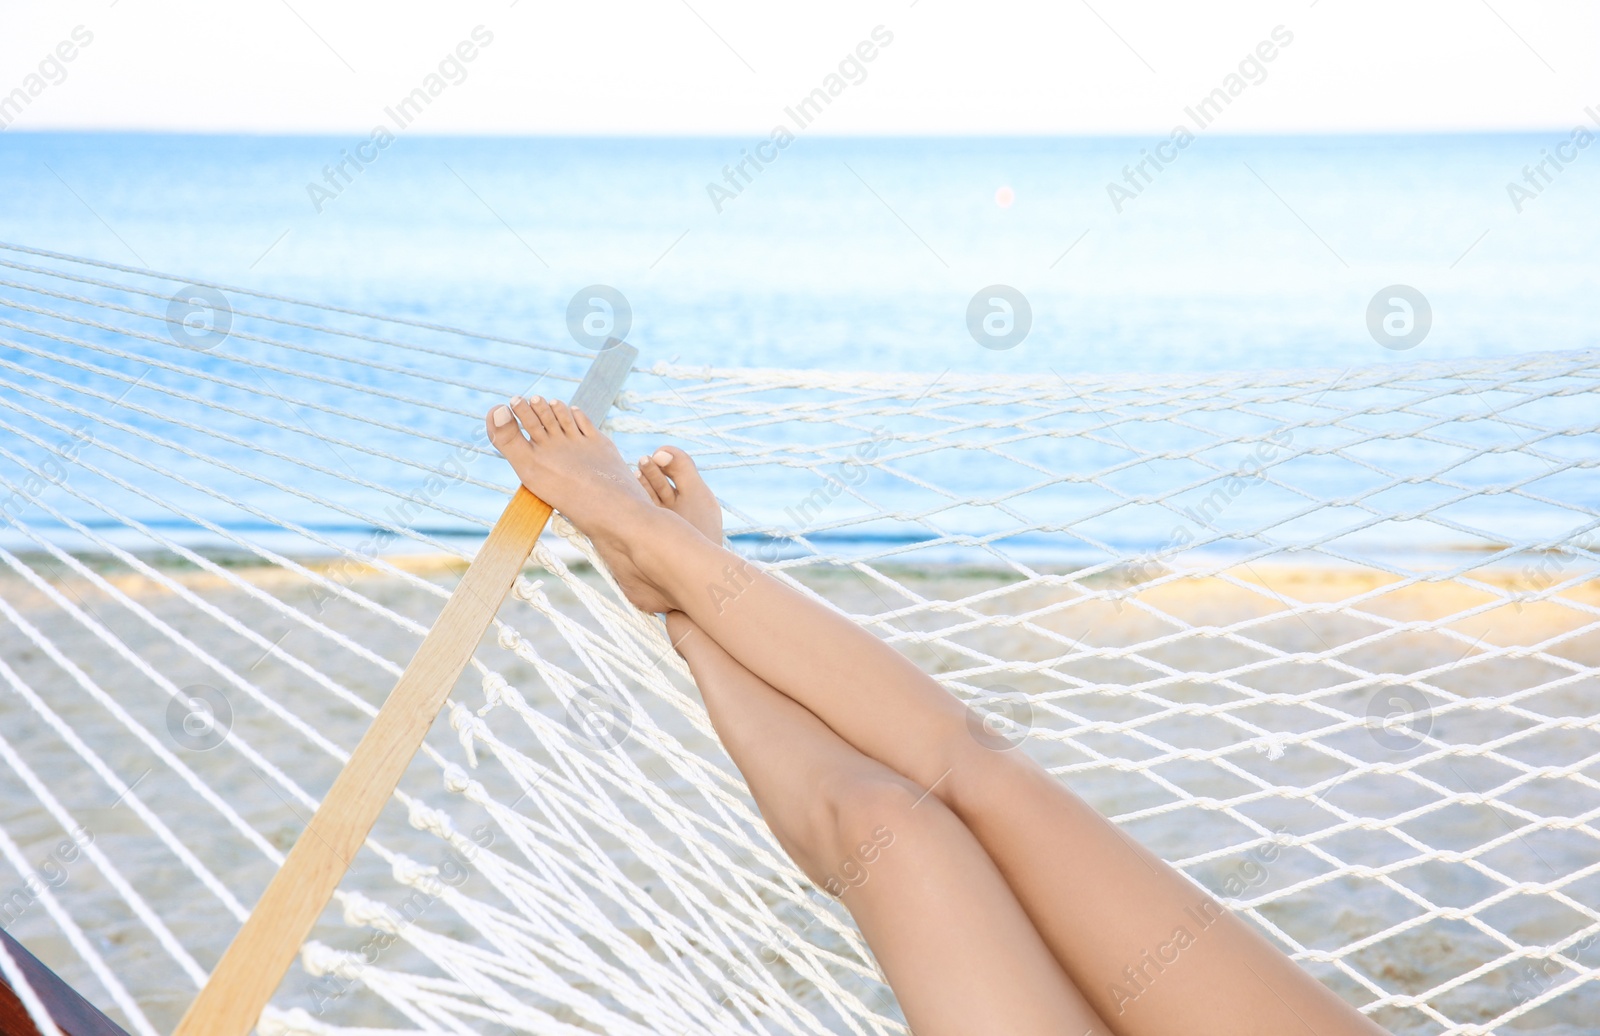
<point x="261" y="953"/>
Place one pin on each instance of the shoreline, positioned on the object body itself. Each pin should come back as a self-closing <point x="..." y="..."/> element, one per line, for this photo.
<point x="1323" y="571"/>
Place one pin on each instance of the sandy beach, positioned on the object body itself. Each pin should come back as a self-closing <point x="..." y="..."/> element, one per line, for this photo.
<point x="1188" y="763"/>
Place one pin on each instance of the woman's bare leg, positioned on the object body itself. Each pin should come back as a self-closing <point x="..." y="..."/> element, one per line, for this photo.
<point x="955" y="945"/>
<point x="948" y="933"/>
<point x="1152" y="954"/>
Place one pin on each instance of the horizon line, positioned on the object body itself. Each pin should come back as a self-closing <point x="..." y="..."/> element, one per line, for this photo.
<point x="740" y="135"/>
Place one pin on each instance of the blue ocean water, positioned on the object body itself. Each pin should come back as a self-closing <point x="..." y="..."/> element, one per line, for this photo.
<point x="863" y="253"/>
<point x="842" y="254"/>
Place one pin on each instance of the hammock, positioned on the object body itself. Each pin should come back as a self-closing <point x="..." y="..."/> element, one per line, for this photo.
<point x="1324" y="639"/>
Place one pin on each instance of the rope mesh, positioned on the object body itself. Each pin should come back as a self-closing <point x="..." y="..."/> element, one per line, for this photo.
<point x="1323" y="639"/>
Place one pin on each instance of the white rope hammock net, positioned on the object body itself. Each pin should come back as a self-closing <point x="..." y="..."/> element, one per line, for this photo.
<point x="1326" y="640"/>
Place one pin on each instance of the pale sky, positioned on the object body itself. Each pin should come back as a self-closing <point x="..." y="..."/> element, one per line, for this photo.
<point x="714" y="67"/>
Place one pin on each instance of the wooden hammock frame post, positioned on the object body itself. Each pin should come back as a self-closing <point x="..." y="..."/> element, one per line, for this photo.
<point x="259" y="956"/>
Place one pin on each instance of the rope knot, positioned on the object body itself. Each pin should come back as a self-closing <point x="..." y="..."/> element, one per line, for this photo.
<point x="509" y="638"/>
<point x="418" y="875"/>
<point x="433" y="821"/>
<point x="318" y="958"/>
<point x="526" y="589"/>
<point x="469" y="727"/>
<point x="361" y="912"/>
<point x="1272" y="745"/>
<point x="494" y="689"/>
<point x="456" y="779"/>
<point x="321" y="959"/>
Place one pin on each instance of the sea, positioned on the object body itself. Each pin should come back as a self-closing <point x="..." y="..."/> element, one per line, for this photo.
<point x="842" y="254"/>
<point x="1241" y="253"/>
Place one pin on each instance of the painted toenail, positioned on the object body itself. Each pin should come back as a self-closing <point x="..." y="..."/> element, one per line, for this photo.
<point x="536" y="399"/>
<point x="502" y="416"/>
<point x="662" y="457"/>
<point x="643" y="461"/>
<point x="516" y="400"/>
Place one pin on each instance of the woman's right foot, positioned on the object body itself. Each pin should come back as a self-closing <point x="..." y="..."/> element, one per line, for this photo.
<point x="670" y="477"/>
<point x="673" y="481"/>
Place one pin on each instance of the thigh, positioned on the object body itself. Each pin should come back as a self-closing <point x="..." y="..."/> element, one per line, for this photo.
<point x="949" y="934"/>
<point x="1152" y="952"/>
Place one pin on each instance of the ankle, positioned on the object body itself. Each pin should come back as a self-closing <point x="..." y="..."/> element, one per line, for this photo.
<point x="636" y="528"/>
<point x="679" y="629"/>
<point x="668" y="551"/>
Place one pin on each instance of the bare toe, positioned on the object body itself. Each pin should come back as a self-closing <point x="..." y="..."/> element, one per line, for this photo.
<point x="564" y="418"/>
<point x="585" y="426"/>
<point x="660" y="486"/>
<point x="650" y="490"/>
<point x="680" y="467"/>
<point x="504" y="433"/>
<point x="547" y="416"/>
<point x="525" y="413"/>
<point x="686" y="493"/>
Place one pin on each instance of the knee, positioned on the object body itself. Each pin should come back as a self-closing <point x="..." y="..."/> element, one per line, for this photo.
<point x="856" y="817"/>
<point x="980" y="774"/>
